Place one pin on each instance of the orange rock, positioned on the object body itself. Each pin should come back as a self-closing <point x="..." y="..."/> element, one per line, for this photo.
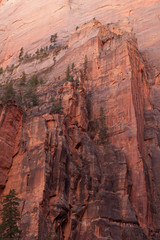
<point x="72" y="184"/>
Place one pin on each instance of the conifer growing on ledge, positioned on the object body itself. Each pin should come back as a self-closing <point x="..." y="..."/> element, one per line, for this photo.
<point x="10" y="216"/>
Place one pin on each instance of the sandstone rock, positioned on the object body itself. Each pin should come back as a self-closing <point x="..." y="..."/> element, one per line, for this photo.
<point x="73" y="185"/>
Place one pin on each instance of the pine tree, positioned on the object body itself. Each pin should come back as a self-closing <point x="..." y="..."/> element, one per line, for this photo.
<point x="10" y="216"/>
<point x="9" y="92"/>
<point x="21" y="53"/>
<point x="23" y="79"/>
<point x="69" y="76"/>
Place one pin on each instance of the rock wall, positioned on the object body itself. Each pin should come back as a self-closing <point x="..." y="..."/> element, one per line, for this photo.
<point x="20" y="23"/>
<point x="72" y="183"/>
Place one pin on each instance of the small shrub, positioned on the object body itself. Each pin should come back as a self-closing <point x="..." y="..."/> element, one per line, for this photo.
<point x="11" y="68"/>
<point x="65" y="47"/>
<point x="41" y="50"/>
<point x="1" y="70"/>
<point x="7" y="68"/>
<point x="23" y="79"/>
<point x="52" y="99"/>
<point x="53" y="38"/>
<point x="102" y="134"/>
<point x="41" y="81"/>
<point x="9" y="92"/>
<point x="77" y="82"/>
<point x="56" y="108"/>
<point x="51" y="47"/>
<point x="34" y="99"/>
<point x="33" y="81"/>
<point x="26" y="56"/>
<point x="57" y="50"/>
<point x="30" y="98"/>
<point x="54" y="60"/>
<point x="19" y="98"/>
<point x="73" y="67"/>
<point x="37" y="52"/>
<point x="21" y="53"/>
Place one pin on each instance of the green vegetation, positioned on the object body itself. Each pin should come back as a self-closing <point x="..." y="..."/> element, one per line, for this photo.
<point x="69" y="74"/>
<point x="23" y="79"/>
<point x="41" y="53"/>
<point x="30" y="98"/>
<point x="10" y="68"/>
<point x="53" y="38"/>
<point x="26" y="56"/>
<point x="25" y="95"/>
<point x="57" y="107"/>
<point x="10" y="217"/>
<point x="1" y="70"/>
<point x="41" y="81"/>
<point x="33" y="81"/>
<point x="9" y="92"/>
<point x="21" y="53"/>
<point x="103" y="129"/>
<point x="19" y="97"/>
<point x="34" y="99"/>
<point x="73" y="67"/>
<point x="77" y="82"/>
<point x="37" y="52"/>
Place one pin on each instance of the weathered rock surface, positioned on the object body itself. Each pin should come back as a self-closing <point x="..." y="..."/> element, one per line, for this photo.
<point x="72" y="184"/>
<point x="10" y="123"/>
<point x="30" y="25"/>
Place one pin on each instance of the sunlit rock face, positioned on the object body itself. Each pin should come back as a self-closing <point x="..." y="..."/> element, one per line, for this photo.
<point x="27" y="25"/>
<point x="72" y="183"/>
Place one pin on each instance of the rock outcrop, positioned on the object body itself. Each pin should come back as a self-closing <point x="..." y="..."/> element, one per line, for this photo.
<point x="85" y="161"/>
<point x="28" y="25"/>
<point x="89" y="170"/>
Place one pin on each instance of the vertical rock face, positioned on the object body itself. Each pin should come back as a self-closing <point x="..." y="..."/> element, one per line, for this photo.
<point x="91" y="170"/>
<point x="10" y="123"/>
<point x="75" y="184"/>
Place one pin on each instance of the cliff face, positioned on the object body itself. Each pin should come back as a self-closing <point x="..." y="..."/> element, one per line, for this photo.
<point x="20" y="23"/>
<point x="89" y="170"/>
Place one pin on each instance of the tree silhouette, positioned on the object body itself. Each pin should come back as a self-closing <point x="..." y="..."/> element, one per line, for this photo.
<point x="10" y="216"/>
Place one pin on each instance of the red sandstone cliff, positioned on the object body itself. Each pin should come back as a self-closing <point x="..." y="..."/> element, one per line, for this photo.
<point x="72" y="185"/>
